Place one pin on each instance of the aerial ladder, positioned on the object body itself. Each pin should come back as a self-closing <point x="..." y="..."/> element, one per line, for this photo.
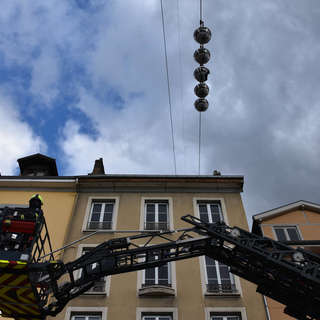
<point x="34" y="285"/>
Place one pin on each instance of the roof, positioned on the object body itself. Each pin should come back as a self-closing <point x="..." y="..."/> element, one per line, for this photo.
<point x="133" y="182"/>
<point x="301" y="204"/>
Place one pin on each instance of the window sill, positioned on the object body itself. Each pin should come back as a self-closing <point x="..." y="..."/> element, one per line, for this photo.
<point x="223" y="294"/>
<point x="156" y="290"/>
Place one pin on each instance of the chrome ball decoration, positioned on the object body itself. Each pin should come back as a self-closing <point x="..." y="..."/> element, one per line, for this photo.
<point x="201" y="104"/>
<point x="202" y="35"/>
<point x="201" y="74"/>
<point x="202" y="56"/>
<point x="201" y="90"/>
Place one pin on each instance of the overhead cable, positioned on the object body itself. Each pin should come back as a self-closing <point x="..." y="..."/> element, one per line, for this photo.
<point x="168" y="85"/>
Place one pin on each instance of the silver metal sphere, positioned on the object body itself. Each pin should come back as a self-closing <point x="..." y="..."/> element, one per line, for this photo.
<point x="201" y="104"/>
<point x="201" y="74"/>
<point x="202" y="35"/>
<point x="202" y="56"/>
<point x="201" y="90"/>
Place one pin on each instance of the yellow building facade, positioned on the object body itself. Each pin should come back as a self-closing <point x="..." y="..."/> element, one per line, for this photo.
<point x="296" y="224"/>
<point x="123" y="205"/>
<point x="197" y="288"/>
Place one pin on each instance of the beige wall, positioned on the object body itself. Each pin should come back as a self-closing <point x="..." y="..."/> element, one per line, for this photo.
<point x="123" y="300"/>
<point x="308" y="224"/>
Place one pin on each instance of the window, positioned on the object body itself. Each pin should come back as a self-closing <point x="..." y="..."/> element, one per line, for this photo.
<point x="225" y="316"/>
<point x="156" y="215"/>
<point x="157" y="276"/>
<point x="219" y="279"/>
<point x="210" y="211"/>
<point x="289" y="233"/>
<point x="99" y="286"/>
<point x="158" y="313"/>
<point x="101" y="214"/>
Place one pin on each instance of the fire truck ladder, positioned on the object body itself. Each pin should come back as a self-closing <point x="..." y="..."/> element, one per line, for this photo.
<point x="290" y="276"/>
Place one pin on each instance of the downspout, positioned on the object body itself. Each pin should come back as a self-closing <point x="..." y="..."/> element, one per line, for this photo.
<point x="264" y="298"/>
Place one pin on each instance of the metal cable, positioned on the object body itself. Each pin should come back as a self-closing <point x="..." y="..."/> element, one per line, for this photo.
<point x="199" y="142"/>
<point x="201" y="18"/>
<point x="168" y="85"/>
<point x="181" y="86"/>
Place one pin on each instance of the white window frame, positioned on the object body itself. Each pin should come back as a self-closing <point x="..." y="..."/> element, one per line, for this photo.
<point x="202" y="262"/>
<point x="241" y="310"/>
<point x="157" y="274"/>
<point x="218" y="200"/>
<point x="156" y="311"/>
<point x="91" y="200"/>
<point x="107" y="280"/>
<point x="83" y="310"/>
<point x="274" y="227"/>
<point x="144" y="201"/>
<point x="204" y="280"/>
<point x="172" y="276"/>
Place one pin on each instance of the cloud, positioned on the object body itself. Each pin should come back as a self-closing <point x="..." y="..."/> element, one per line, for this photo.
<point x="16" y="137"/>
<point x="104" y="60"/>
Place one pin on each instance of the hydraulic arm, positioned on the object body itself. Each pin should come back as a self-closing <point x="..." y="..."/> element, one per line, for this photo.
<point x="290" y="276"/>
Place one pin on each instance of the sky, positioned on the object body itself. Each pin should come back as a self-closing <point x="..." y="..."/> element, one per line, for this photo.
<point x="84" y="79"/>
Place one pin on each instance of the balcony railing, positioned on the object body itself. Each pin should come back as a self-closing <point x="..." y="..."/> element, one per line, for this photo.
<point x="104" y="225"/>
<point x="165" y="284"/>
<point x="221" y="288"/>
<point x="156" y="226"/>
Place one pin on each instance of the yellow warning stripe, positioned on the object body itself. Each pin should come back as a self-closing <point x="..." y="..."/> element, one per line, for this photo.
<point x="5" y="297"/>
<point x="17" y="265"/>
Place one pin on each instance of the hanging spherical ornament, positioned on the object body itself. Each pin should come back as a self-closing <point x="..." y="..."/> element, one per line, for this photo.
<point x="201" y="104"/>
<point x="202" y="55"/>
<point x="201" y="90"/>
<point x="201" y="74"/>
<point x="202" y="35"/>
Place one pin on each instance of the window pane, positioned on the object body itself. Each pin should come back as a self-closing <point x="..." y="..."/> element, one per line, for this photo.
<point x="217" y="318"/>
<point x="78" y="318"/>
<point x="203" y="208"/>
<point x="165" y="318"/>
<point x="163" y="208"/>
<point x="107" y="216"/>
<point x="150" y="275"/>
<point x="163" y="274"/>
<point x="150" y="215"/>
<point x="93" y="318"/>
<point x="224" y="271"/>
<point x="95" y="216"/>
<point x="97" y="207"/>
<point x="162" y="217"/>
<point x="210" y="261"/>
<point x="293" y="234"/>
<point x="280" y="234"/>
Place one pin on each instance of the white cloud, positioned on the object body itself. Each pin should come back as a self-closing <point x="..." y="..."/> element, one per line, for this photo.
<point x="16" y="138"/>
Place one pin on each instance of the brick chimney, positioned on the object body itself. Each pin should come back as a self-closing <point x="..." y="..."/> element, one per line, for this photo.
<point x="98" y="167"/>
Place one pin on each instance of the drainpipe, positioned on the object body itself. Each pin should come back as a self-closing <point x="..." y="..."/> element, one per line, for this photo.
<point x="264" y="298"/>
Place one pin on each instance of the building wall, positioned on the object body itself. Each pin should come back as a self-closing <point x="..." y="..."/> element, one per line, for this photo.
<point x="307" y="223"/>
<point x="190" y="303"/>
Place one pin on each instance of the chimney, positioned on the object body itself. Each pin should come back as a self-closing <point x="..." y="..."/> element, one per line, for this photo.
<point x="98" y="167"/>
<point x="216" y="173"/>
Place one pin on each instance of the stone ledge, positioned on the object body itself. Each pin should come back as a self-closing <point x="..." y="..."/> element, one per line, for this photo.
<point x="156" y="290"/>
